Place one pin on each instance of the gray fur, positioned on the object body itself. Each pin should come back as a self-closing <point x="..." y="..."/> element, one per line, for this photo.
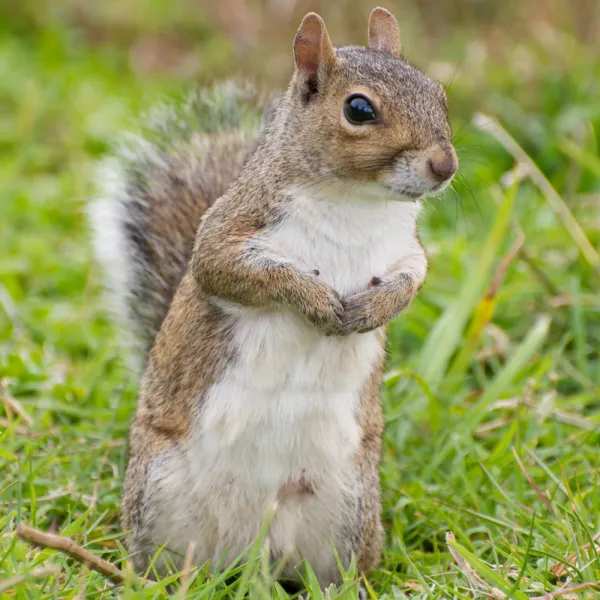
<point x="152" y="193"/>
<point x="164" y="199"/>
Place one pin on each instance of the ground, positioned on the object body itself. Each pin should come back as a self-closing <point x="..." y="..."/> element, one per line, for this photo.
<point x="492" y="390"/>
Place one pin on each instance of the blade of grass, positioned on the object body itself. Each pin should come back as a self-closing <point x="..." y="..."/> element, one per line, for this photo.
<point x="484" y="571"/>
<point x="446" y="335"/>
<point x="493" y="127"/>
<point x="253" y="557"/>
<point x="477" y="412"/>
<point x="484" y="311"/>
<point x="579" y="331"/>
<point x="521" y="356"/>
<point x="588" y="160"/>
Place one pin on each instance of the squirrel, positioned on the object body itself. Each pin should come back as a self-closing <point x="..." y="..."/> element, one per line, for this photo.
<point x="257" y="269"/>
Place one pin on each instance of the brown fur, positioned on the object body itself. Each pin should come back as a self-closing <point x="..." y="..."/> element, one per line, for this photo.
<point x="189" y="353"/>
<point x="241" y="271"/>
<point x="168" y="215"/>
<point x="307" y="143"/>
<point x="371" y="422"/>
<point x="152" y="193"/>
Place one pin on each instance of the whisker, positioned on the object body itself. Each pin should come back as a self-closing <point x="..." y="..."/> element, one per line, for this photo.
<point x="471" y="173"/>
<point x="455" y="135"/>
<point x="459" y="66"/>
<point x="464" y="182"/>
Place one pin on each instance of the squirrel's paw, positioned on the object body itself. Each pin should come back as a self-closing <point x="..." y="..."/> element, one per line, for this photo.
<point x="322" y="306"/>
<point x="359" y="314"/>
<point x="380" y="303"/>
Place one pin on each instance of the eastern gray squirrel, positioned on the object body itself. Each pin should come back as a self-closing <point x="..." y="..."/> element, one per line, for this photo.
<point x="255" y="267"/>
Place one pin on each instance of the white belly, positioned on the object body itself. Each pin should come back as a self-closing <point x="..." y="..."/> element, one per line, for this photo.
<point x="286" y="407"/>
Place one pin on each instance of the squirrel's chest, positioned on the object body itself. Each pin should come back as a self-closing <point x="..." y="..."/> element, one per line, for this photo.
<point x="289" y="387"/>
<point x="348" y="237"/>
<point x="287" y="405"/>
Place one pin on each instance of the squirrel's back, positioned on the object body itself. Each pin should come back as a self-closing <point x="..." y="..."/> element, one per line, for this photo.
<point x="152" y="193"/>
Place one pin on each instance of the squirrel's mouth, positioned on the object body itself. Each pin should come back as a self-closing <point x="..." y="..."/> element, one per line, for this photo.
<point x="441" y="186"/>
<point x="416" y="192"/>
<point x="413" y="195"/>
<point x="405" y="192"/>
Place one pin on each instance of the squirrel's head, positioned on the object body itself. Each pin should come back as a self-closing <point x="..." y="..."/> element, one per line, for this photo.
<point x="366" y="114"/>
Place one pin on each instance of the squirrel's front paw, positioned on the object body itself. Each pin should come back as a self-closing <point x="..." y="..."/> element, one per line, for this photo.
<point x="360" y="312"/>
<point x="322" y="306"/>
<point x="380" y="303"/>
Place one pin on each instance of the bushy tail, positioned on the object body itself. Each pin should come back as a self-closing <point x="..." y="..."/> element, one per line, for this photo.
<point x="152" y="194"/>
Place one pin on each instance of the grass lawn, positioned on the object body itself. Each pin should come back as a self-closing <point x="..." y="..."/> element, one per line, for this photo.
<point x="492" y="392"/>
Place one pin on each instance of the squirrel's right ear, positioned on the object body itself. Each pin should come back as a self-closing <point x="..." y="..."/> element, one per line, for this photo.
<point x="384" y="33"/>
<point x="313" y="53"/>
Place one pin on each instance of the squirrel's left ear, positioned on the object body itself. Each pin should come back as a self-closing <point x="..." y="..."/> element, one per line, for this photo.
<point x="384" y="33"/>
<point x="313" y="53"/>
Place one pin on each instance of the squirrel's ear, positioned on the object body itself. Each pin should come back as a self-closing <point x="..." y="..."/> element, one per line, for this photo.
<point x="384" y="33"/>
<point x="313" y="53"/>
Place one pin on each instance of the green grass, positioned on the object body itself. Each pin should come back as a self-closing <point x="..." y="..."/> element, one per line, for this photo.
<point x="491" y="397"/>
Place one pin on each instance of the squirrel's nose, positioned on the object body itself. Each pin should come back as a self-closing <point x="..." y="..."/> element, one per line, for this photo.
<point x="443" y="163"/>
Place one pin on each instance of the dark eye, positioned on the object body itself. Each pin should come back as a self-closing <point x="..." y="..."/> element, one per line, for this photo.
<point x="359" y="110"/>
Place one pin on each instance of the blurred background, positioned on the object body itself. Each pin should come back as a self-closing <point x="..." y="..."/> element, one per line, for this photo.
<point x="75" y="73"/>
<point x="500" y="350"/>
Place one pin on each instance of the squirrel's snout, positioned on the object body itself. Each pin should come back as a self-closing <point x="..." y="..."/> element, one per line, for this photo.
<point x="422" y="173"/>
<point x="443" y="163"/>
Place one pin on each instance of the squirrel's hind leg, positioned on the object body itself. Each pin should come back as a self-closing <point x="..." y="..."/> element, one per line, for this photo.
<point x="159" y="513"/>
<point x="372" y="424"/>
